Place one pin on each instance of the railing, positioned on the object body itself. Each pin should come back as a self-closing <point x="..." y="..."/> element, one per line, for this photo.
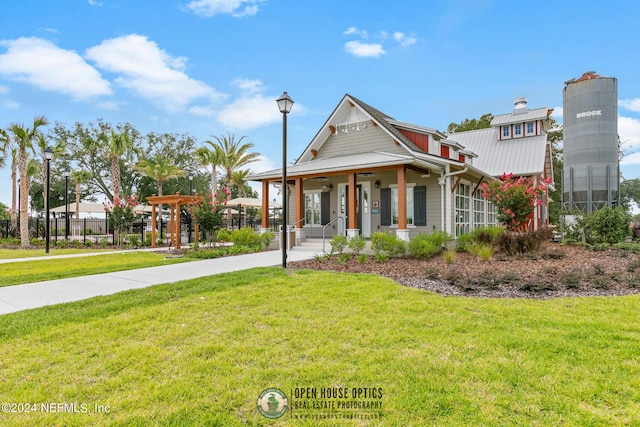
<point x="324" y="228"/>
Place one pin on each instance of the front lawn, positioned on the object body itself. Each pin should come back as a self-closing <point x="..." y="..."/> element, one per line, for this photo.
<point x="38" y="269"/>
<point x="40" y="252"/>
<point x="200" y="352"/>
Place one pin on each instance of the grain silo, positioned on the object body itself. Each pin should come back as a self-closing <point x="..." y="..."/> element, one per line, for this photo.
<point x="591" y="163"/>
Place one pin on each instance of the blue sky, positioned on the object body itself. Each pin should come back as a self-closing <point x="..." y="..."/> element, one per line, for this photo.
<point x="208" y="67"/>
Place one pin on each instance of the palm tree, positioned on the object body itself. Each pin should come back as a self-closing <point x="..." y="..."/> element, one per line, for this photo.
<point x="210" y="157"/>
<point x="117" y="144"/>
<point x="9" y="152"/>
<point x="234" y="155"/>
<point x="13" y="153"/>
<point x="159" y="169"/>
<point x="78" y="178"/>
<point x="24" y="138"/>
<point x="239" y="179"/>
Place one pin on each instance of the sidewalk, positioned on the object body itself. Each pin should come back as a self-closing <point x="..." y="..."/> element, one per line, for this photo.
<point x="32" y="295"/>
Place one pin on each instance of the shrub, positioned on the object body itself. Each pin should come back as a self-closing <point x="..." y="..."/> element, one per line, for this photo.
<point x="571" y="279"/>
<point x="463" y="242"/>
<point x="608" y="225"/>
<point x="266" y="238"/>
<point x="486" y="236"/>
<point x="483" y="251"/>
<point x="246" y="237"/>
<point x="513" y="243"/>
<point x="363" y="258"/>
<point x="357" y="244"/>
<point x="386" y="245"/>
<point x="338" y="243"/>
<point x="224" y="235"/>
<point x="426" y="245"/>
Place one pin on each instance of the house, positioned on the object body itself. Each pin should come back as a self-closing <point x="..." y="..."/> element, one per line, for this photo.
<point x="364" y="172"/>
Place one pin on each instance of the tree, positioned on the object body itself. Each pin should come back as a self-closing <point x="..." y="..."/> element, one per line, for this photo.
<point x="40" y="146"/>
<point x="483" y="122"/>
<point x="239" y="179"/>
<point x="234" y="155"/>
<point x="160" y="170"/>
<point x="24" y="138"/>
<point x="79" y="178"/>
<point x="210" y="157"/>
<point x="554" y="136"/>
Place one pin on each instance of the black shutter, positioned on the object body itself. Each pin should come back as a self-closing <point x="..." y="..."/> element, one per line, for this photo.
<point x="325" y="208"/>
<point x="420" y="205"/>
<point x="385" y="206"/>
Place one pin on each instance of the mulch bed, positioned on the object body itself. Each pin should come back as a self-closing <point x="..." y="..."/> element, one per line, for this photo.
<point x="553" y="271"/>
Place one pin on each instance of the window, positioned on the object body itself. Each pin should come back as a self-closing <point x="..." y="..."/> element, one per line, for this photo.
<point x="479" y="206"/>
<point x="530" y="128"/>
<point x="394" y="205"/>
<point x="462" y="209"/>
<point x="505" y="131"/>
<point x="416" y="206"/>
<point x="517" y="131"/>
<point x="312" y="208"/>
<point x="491" y="214"/>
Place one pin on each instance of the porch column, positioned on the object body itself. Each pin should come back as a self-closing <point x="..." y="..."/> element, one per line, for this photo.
<point x="153" y="225"/>
<point x="402" y="232"/>
<point x="265" y="207"/>
<point x="178" y="226"/>
<point x="352" y="216"/>
<point x="299" y="202"/>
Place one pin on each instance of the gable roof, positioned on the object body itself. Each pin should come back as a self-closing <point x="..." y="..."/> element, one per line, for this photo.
<point x="521" y="156"/>
<point x="527" y="116"/>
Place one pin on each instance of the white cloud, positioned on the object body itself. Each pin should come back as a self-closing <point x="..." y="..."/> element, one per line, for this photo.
<point x="41" y="63"/>
<point x="630" y="104"/>
<point x="353" y="30"/>
<point x="629" y="131"/>
<point x="249" y="86"/>
<point x="557" y="114"/>
<point x="360" y="49"/>
<point x="250" y="112"/>
<point x="150" y="72"/>
<point x="237" y="8"/>
<point x="4" y="90"/>
<point x="404" y="39"/>
<point x="94" y="2"/>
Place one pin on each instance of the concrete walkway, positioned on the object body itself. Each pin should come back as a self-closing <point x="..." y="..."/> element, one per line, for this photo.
<point x="32" y="295"/>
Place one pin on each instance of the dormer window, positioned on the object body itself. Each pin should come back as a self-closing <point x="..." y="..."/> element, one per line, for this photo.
<point x="530" y="128"/>
<point x="506" y="131"/>
<point x="517" y="130"/>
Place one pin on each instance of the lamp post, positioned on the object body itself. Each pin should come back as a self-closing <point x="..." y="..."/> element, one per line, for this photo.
<point x="190" y="183"/>
<point x="284" y="104"/>
<point x="66" y="174"/>
<point x="48" y="155"/>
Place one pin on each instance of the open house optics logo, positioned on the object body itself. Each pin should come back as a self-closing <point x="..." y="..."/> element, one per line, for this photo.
<point x="272" y="403"/>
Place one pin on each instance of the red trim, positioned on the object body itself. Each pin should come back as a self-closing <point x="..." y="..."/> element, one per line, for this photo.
<point x="444" y="151"/>
<point x="420" y="139"/>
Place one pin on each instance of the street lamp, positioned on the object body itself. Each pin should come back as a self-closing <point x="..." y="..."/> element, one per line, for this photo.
<point x="190" y="183"/>
<point x="48" y="155"/>
<point x="284" y="104"/>
<point x="66" y="174"/>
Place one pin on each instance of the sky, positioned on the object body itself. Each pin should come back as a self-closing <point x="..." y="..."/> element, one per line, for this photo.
<point x="212" y="67"/>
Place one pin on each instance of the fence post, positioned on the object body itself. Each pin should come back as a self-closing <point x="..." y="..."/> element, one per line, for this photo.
<point x="84" y="230"/>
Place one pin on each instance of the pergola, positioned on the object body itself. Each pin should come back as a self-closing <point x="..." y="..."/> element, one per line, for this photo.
<point x="174" y="201"/>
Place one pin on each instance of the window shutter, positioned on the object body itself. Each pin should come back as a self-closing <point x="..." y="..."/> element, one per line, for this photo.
<point x="420" y="205"/>
<point x="325" y="208"/>
<point x="385" y="206"/>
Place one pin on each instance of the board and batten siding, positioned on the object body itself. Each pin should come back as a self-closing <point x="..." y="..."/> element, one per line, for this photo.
<point x="366" y="141"/>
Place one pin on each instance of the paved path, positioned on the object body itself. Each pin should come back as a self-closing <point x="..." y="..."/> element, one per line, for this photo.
<point x="32" y="295"/>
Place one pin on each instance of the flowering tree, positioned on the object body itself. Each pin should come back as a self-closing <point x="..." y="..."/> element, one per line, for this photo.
<point x="514" y="198"/>
<point x="121" y="213"/>
<point x="208" y="215"/>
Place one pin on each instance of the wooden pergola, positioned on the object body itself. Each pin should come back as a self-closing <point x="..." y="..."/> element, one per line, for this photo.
<point x="174" y="201"/>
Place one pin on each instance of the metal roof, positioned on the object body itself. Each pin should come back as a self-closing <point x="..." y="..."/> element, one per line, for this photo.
<point x="520" y="156"/>
<point x="537" y="114"/>
<point x="343" y="163"/>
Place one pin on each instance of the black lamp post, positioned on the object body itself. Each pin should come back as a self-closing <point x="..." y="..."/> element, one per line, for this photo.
<point x="48" y="155"/>
<point x="284" y="104"/>
<point x="190" y="183"/>
<point x="66" y="174"/>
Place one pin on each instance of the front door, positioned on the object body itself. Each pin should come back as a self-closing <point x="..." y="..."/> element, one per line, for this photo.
<point x="358" y="206"/>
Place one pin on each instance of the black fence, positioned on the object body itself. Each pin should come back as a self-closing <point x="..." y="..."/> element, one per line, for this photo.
<point x="97" y="231"/>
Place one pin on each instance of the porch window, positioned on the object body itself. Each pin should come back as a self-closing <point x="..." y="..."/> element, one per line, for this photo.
<point x="491" y="214"/>
<point x="462" y="209"/>
<point x="394" y="205"/>
<point x="312" y="208"/>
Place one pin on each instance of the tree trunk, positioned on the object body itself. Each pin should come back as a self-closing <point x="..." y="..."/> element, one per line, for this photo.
<point x="14" y="217"/>
<point x="77" y="200"/>
<point x="115" y="177"/>
<point x="23" y="160"/>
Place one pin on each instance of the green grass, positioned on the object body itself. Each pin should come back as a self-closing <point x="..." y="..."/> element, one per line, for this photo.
<point x="15" y="273"/>
<point x="199" y="352"/>
<point x="28" y="253"/>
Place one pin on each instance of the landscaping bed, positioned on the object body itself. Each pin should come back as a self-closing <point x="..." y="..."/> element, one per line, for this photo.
<point x="554" y="270"/>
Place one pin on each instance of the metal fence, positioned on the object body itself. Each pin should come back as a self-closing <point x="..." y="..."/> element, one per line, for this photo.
<point x="97" y="231"/>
